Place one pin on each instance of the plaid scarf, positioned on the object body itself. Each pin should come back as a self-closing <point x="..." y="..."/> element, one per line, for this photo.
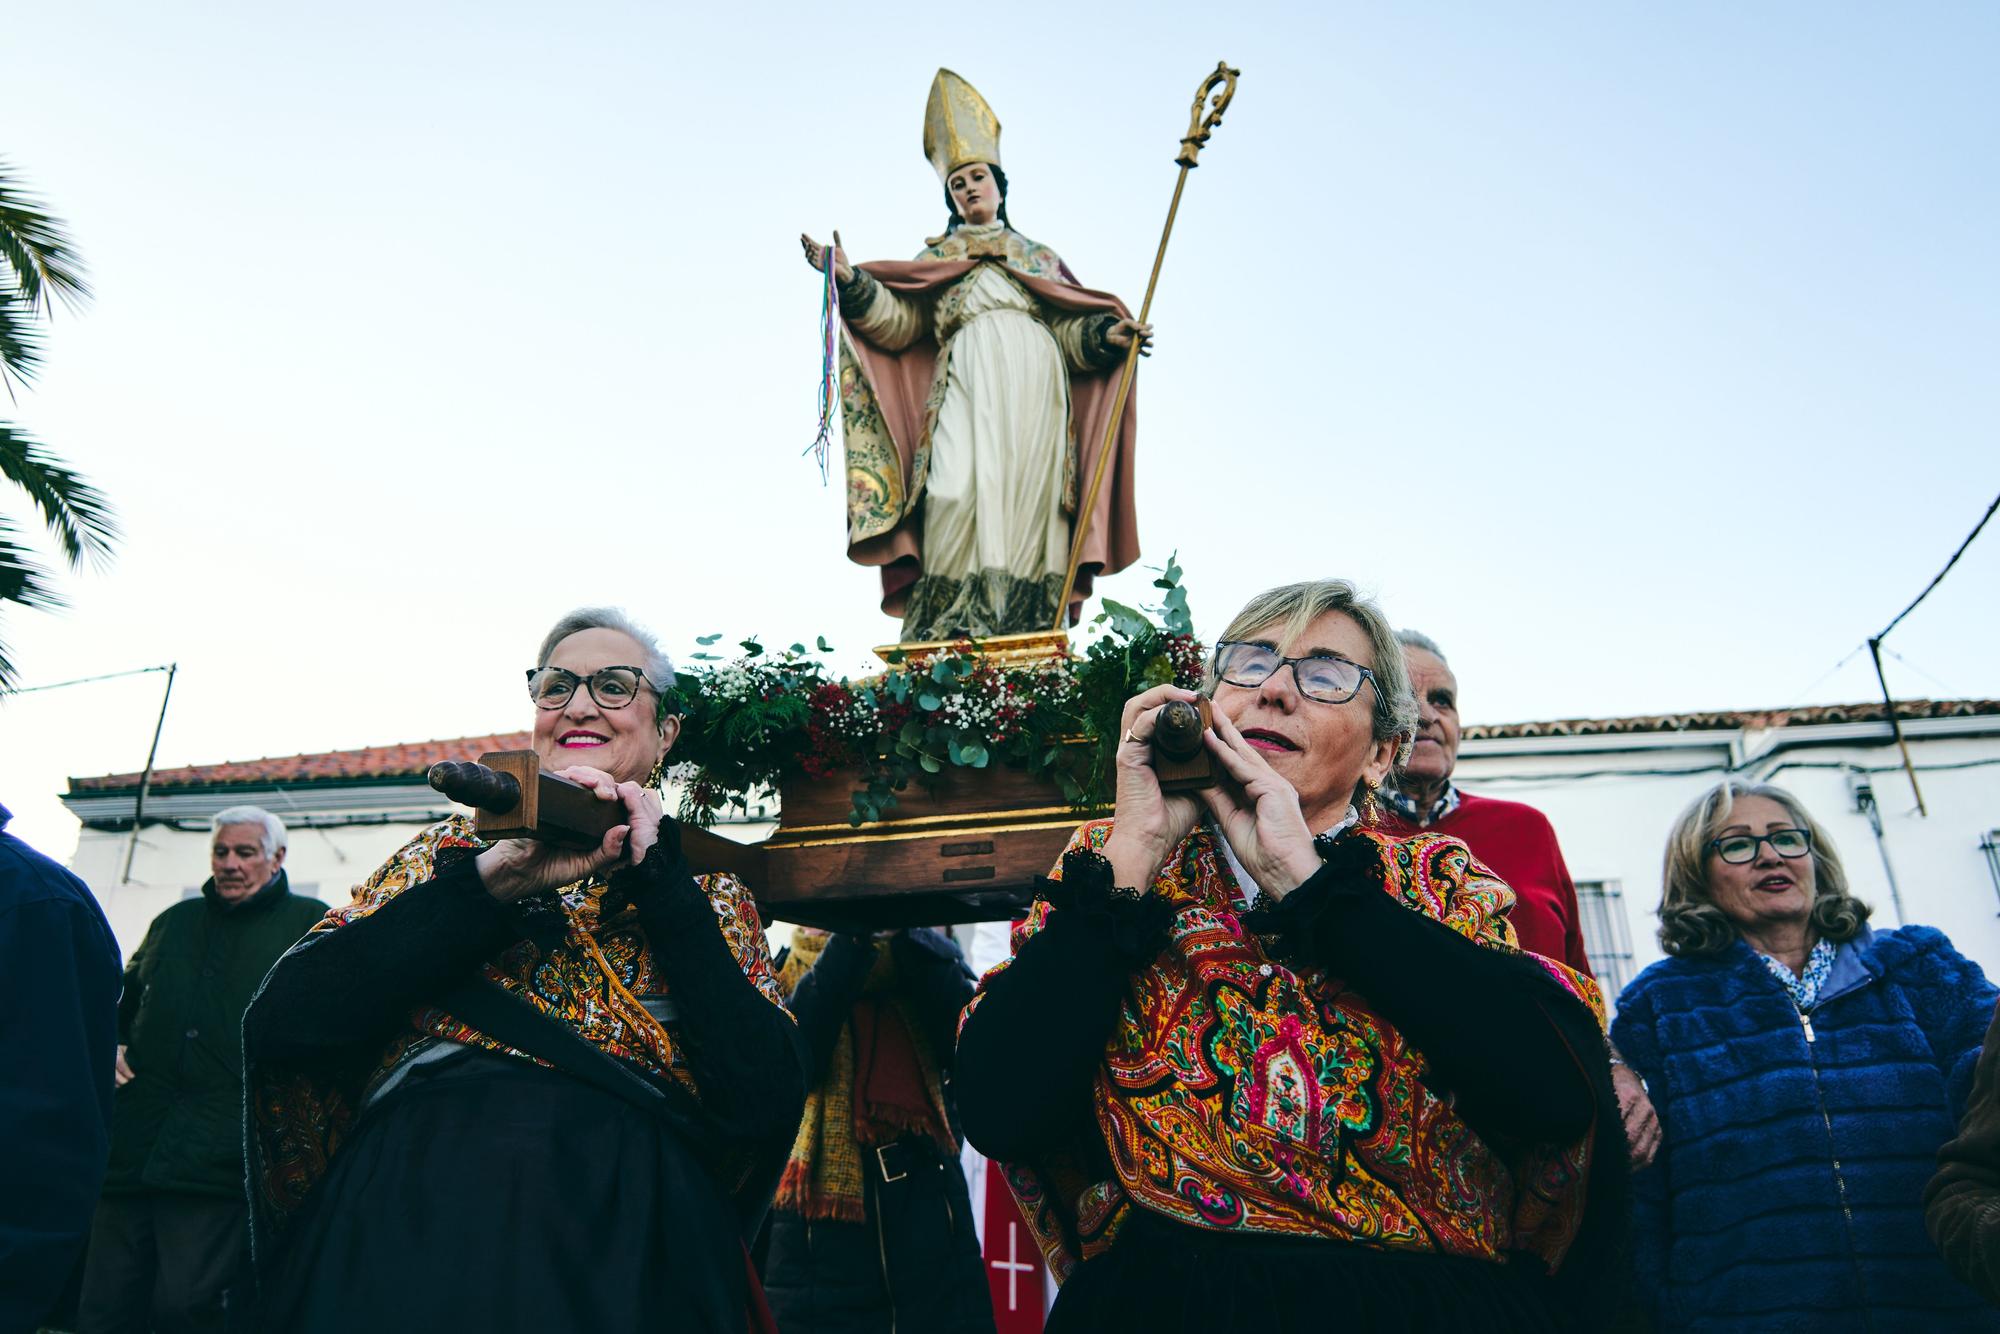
<point x="864" y="1102"/>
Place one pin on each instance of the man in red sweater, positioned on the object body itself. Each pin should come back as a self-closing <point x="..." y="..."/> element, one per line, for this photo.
<point x="1512" y="838"/>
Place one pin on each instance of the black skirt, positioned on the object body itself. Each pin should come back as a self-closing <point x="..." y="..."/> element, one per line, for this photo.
<point x="490" y="1193"/>
<point x="1163" y="1277"/>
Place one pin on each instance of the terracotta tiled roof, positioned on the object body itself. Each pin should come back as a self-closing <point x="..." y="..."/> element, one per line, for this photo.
<point x="409" y="760"/>
<point x="412" y="759"/>
<point x="1751" y="719"/>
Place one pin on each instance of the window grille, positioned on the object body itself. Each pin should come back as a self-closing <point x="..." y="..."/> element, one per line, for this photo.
<point x="1607" y="934"/>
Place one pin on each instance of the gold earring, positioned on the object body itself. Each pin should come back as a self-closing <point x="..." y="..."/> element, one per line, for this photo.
<point x="1371" y="810"/>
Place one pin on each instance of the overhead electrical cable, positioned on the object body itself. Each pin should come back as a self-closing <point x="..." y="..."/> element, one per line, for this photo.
<point x="83" y="680"/>
<point x="1875" y="652"/>
<point x="1941" y="573"/>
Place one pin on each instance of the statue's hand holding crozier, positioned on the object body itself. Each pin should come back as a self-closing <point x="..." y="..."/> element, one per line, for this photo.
<point x="1120" y="336"/>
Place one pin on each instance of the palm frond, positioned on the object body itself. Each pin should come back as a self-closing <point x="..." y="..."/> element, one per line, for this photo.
<point x="79" y="516"/>
<point x="20" y="341"/>
<point x="37" y="250"/>
<point x="24" y="583"/>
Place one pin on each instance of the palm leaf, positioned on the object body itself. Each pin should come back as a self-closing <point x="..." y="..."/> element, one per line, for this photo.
<point x="38" y="266"/>
<point x="20" y="341"/>
<point x="79" y="517"/>
<point x="37" y="249"/>
<point x="25" y="583"/>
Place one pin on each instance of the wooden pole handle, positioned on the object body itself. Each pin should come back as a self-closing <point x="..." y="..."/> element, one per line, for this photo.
<point x="512" y="798"/>
<point x="476" y="786"/>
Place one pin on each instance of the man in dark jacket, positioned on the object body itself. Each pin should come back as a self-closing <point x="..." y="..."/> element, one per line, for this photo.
<point x="872" y="1228"/>
<point x="172" y="1233"/>
<point x="1962" y="1202"/>
<point x="58" y="1024"/>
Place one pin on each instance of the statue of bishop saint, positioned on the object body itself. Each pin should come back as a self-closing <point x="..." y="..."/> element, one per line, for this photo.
<point x="976" y="385"/>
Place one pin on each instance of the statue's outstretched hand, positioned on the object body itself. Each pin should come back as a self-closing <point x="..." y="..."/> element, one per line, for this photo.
<point x="816" y="257"/>
<point x="1121" y="334"/>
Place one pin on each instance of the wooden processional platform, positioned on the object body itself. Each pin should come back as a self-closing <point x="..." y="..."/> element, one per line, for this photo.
<point x="967" y="850"/>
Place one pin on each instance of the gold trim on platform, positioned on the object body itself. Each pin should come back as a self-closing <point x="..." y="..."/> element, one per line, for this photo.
<point x="1015" y="650"/>
<point x="775" y="845"/>
<point x="926" y="823"/>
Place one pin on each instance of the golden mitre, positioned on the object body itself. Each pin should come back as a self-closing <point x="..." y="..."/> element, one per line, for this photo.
<point x="958" y="126"/>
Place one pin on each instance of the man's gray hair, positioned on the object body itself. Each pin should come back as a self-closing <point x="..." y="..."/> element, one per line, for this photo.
<point x="274" y="828"/>
<point x="659" y="667"/>
<point x="1419" y="640"/>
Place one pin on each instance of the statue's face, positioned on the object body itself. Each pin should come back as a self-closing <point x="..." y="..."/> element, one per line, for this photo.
<point x="975" y="192"/>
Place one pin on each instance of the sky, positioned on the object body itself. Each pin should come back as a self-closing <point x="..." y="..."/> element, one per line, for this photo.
<point x="1644" y="356"/>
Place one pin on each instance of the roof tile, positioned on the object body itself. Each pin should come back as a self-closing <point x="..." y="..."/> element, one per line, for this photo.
<point x="1747" y="719"/>
<point x="413" y="759"/>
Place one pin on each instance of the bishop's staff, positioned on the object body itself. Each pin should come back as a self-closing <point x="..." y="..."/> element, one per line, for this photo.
<point x="1222" y="84"/>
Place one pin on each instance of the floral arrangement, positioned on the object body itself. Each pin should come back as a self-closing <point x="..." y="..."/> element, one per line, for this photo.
<point x="753" y="720"/>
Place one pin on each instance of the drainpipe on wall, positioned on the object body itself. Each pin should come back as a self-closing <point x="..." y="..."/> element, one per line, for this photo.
<point x="146" y="778"/>
<point x="1989" y="843"/>
<point x="1863" y="792"/>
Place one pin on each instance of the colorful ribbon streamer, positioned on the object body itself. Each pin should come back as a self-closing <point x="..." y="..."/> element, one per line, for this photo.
<point x="829" y="370"/>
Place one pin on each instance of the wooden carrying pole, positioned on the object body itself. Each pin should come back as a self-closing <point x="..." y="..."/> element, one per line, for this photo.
<point x="1222" y="84"/>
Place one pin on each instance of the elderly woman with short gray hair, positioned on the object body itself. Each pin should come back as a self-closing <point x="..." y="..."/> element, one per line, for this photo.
<point x="1806" y="1068"/>
<point x="517" y="1087"/>
<point x="1254" y="1065"/>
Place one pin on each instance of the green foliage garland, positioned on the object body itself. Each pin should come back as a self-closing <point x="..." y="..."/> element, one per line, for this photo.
<point x="766" y="715"/>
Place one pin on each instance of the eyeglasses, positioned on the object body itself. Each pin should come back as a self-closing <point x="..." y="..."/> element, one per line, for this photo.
<point x="1326" y="679"/>
<point x="611" y="687"/>
<point x="1736" y="849"/>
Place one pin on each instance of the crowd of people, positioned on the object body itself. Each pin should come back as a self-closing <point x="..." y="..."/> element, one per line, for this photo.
<point x="1319" y="1044"/>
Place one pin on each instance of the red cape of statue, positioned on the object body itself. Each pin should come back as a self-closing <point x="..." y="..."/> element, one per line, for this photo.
<point x="902" y="385"/>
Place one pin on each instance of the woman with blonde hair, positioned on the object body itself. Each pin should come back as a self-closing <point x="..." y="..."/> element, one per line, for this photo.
<point x="1254" y="1065"/>
<point x="1805" y="1068"/>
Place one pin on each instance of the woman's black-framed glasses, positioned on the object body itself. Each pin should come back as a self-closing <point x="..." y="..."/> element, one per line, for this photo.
<point x="1737" y="849"/>
<point x="1326" y="679"/>
<point x="611" y="687"/>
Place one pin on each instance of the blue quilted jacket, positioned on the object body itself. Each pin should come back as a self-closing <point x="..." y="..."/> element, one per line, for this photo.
<point x="1788" y="1191"/>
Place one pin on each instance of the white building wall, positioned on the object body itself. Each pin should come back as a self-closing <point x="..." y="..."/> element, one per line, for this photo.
<point x="1611" y="799"/>
<point x="337" y="839"/>
<point x="1612" y="810"/>
<point x="172" y="863"/>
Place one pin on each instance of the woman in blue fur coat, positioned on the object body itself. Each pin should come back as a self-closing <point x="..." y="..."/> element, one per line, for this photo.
<point x="1805" y="1069"/>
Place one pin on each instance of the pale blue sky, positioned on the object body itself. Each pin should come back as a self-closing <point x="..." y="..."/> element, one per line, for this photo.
<point x="1644" y="356"/>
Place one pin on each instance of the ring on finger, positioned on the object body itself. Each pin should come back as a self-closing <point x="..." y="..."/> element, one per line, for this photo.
<point x="1131" y="735"/>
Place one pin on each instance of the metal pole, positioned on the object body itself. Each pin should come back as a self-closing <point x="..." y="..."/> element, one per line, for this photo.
<point x="1089" y="509"/>
<point x="1896" y="724"/>
<point x="146" y="778"/>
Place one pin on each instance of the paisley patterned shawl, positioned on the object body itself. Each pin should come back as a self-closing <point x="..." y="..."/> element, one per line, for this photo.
<point x="588" y="973"/>
<point x="1240" y="1095"/>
